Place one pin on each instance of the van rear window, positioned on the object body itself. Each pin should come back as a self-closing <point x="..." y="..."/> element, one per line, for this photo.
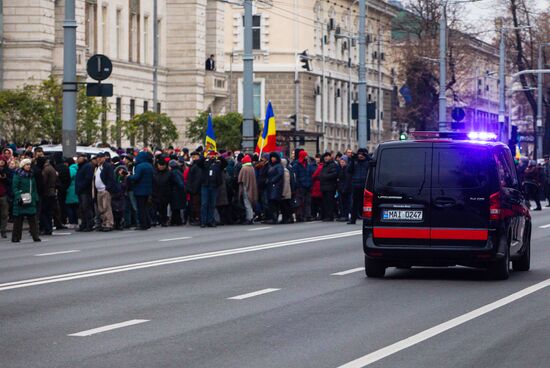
<point x="464" y="167"/>
<point x="403" y="167"/>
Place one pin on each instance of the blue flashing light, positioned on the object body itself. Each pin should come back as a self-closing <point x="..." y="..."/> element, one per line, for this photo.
<point x="482" y="136"/>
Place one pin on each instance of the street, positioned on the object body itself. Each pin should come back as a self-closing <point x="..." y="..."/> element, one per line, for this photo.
<point x="260" y="296"/>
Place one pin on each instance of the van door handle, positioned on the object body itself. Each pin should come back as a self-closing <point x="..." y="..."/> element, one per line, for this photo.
<point x="444" y="202"/>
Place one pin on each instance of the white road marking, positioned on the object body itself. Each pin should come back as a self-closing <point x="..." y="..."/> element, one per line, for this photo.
<point x="347" y="272"/>
<point x="445" y="326"/>
<point x="544" y="226"/>
<point x="253" y="294"/>
<point x="167" y="261"/>
<point x="174" y="239"/>
<point x="55" y="253"/>
<point x="260" y="228"/>
<point x="109" y="327"/>
<point x="58" y="234"/>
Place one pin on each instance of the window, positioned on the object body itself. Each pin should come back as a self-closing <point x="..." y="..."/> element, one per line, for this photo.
<point x="506" y="170"/>
<point x="105" y="29"/>
<point x="257" y="99"/>
<point x="403" y="167"/>
<point x="159" y="107"/>
<point x="145" y="106"/>
<point x="461" y="167"/>
<point x="256" y="32"/>
<point x="132" y="108"/>
<point x="91" y="30"/>
<point x="118" y="108"/>
<point x="118" y="52"/>
<point x="146" y="40"/>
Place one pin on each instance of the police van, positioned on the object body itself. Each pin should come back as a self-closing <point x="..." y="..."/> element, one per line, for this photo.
<point x="445" y="199"/>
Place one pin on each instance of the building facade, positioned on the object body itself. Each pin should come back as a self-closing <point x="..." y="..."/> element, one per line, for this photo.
<point x="321" y="98"/>
<point x="188" y="31"/>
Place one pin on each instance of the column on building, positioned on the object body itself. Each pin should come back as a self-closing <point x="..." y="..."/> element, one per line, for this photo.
<point x="185" y="51"/>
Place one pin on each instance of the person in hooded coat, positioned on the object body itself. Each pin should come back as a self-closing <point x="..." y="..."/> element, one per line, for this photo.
<point x="303" y="170"/>
<point x="275" y="186"/>
<point x="71" y="198"/>
<point x="344" y="189"/>
<point x="24" y="182"/>
<point x="328" y="181"/>
<point x="248" y="189"/>
<point x="142" y="183"/>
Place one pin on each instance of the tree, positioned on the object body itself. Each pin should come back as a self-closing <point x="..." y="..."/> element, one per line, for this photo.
<point x="20" y="115"/>
<point x="50" y="93"/>
<point x="88" y="112"/>
<point x="228" y="129"/>
<point x="151" y="128"/>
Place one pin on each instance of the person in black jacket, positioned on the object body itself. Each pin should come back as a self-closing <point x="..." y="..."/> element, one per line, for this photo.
<point x="162" y="190"/>
<point x="105" y="185"/>
<point x="177" y="198"/>
<point x="358" y="168"/>
<point x="211" y="178"/>
<point x="275" y="185"/>
<point x="83" y="189"/>
<point x="344" y="189"/>
<point x="329" y="180"/>
<point x="193" y="187"/>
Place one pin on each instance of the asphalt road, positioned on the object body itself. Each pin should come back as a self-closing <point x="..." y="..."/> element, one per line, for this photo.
<point x="261" y="296"/>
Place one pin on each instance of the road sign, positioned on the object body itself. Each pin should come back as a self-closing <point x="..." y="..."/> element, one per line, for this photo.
<point x="99" y="90"/>
<point x="458" y="114"/>
<point x="99" y="67"/>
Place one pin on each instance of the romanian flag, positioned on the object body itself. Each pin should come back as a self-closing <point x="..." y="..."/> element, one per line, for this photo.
<point x="210" y="142"/>
<point x="267" y="142"/>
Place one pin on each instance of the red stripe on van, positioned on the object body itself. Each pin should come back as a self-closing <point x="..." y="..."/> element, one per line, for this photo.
<point x="402" y="233"/>
<point x="459" y="234"/>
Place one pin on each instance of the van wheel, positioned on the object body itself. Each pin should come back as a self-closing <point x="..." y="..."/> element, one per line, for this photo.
<point x="500" y="270"/>
<point x="523" y="263"/>
<point x="374" y="268"/>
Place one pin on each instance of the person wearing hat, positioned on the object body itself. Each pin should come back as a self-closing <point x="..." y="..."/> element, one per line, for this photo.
<point x="71" y="199"/>
<point x="303" y="170"/>
<point x="105" y="186"/>
<point x="162" y="189"/>
<point x="358" y="168"/>
<point x="5" y="179"/>
<point x="274" y="187"/>
<point x="177" y="196"/>
<point x="344" y="189"/>
<point x="248" y="189"/>
<point x="142" y="184"/>
<point x="25" y="199"/>
<point x="328" y="179"/>
<point x="546" y="176"/>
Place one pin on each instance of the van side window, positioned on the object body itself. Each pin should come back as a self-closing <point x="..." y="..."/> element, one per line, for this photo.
<point x="403" y="167"/>
<point x="506" y="172"/>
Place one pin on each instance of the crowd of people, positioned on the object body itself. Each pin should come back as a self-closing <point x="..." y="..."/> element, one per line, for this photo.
<point x="172" y="187"/>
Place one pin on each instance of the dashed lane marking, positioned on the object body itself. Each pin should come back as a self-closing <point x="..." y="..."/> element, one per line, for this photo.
<point x="347" y="272"/>
<point x="56" y="253"/>
<point x="253" y="294"/>
<point x="115" y="326"/>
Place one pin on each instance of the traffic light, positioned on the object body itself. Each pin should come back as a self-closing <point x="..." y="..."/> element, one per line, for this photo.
<point x="403" y="136"/>
<point x="305" y="59"/>
<point x="292" y="121"/>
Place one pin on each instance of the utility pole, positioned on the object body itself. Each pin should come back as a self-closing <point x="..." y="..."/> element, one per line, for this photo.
<point x="323" y="104"/>
<point x="539" y="102"/>
<point x="350" y="63"/>
<point x="69" y="80"/>
<point x="248" y="87"/>
<point x="1" y="45"/>
<point x="379" y="97"/>
<point x="501" y="84"/>
<point x="155" y="55"/>
<point x="362" y="84"/>
<point x="442" y="69"/>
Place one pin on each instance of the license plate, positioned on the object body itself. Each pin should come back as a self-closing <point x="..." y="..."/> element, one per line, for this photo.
<point x="402" y="215"/>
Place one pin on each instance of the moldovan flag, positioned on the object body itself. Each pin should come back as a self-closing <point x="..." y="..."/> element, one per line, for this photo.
<point x="210" y="143"/>
<point x="267" y="142"/>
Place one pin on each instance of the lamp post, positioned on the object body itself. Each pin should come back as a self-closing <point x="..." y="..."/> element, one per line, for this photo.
<point x="540" y="131"/>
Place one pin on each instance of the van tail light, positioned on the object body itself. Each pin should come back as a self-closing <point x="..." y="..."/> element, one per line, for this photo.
<point x="494" y="207"/>
<point x="367" y="205"/>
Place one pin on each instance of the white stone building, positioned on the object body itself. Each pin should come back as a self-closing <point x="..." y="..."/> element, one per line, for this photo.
<point x="189" y="30"/>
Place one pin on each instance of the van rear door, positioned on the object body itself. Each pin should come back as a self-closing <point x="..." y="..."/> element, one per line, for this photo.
<point x="401" y="210"/>
<point x="460" y="190"/>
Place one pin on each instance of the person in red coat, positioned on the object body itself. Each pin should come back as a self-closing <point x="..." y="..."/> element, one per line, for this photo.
<point x="316" y="194"/>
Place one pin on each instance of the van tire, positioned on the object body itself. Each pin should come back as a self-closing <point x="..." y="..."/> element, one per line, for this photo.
<point x="374" y="268"/>
<point x="500" y="270"/>
<point x="523" y="263"/>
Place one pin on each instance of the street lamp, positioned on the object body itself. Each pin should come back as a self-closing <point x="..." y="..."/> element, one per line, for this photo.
<point x="539" y="101"/>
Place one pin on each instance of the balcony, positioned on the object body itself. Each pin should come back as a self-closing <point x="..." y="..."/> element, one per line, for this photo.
<point x="215" y="85"/>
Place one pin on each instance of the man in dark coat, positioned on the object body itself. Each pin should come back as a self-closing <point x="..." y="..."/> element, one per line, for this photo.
<point x="275" y="186"/>
<point x="358" y="168"/>
<point x="211" y="178"/>
<point x="329" y="180"/>
<point x="193" y="187"/>
<point x="177" y="198"/>
<point x="49" y="195"/>
<point x="83" y="189"/>
<point x="142" y="184"/>
<point x="344" y="189"/>
<point x="162" y="190"/>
